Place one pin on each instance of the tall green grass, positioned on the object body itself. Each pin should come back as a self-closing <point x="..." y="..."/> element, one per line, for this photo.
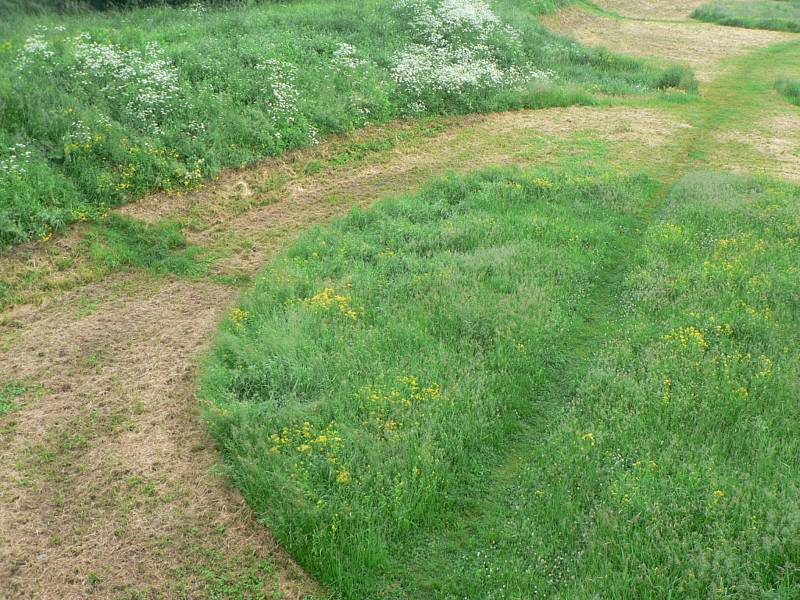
<point x="487" y="391"/>
<point x="667" y="463"/>
<point x="789" y="88"/>
<point x="98" y="108"/>
<point x="361" y="390"/>
<point x="780" y="15"/>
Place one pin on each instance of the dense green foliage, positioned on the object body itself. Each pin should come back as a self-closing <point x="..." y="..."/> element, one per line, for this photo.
<point x="412" y="402"/>
<point x="98" y="108"/>
<point x="781" y="15"/>
<point x="789" y="88"/>
<point x="375" y="370"/>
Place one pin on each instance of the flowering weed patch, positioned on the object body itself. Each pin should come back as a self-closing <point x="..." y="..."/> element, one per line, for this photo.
<point x="386" y="360"/>
<point x="668" y="466"/>
<point x="110" y="106"/>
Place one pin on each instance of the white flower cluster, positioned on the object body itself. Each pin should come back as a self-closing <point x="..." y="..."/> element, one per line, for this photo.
<point x="195" y="8"/>
<point x="148" y="81"/>
<point x="456" y="48"/>
<point x="279" y="90"/>
<point x="430" y="68"/>
<point x="440" y="23"/>
<point x="346" y="56"/>
<point x="35" y="48"/>
<point x="13" y="164"/>
<point x="80" y="134"/>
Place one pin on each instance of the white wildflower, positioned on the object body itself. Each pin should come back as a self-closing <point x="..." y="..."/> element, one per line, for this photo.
<point x="346" y="56"/>
<point x="14" y="163"/>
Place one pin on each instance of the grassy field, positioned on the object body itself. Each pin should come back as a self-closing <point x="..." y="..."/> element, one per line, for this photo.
<point x="365" y="391"/>
<point x="361" y="390"/>
<point x="535" y="354"/>
<point x="780" y="15"/>
<point x="99" y="108"/>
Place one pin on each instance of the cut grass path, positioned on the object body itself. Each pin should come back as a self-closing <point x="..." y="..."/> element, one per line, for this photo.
<point x="105" y="484"/>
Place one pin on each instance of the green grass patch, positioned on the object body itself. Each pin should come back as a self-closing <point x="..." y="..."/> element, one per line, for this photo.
<point x="666" y="464"/>
<point x="374" y="373"/>
<point x="504" y="385"/>
<point x="780" y="15"/>
<point x="10" y="392"/>
<point x="98" y="108"/>
<point x="789" y="88"/>
<point x="118" y="242"/>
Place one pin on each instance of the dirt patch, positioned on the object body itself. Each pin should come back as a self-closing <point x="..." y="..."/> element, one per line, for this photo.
<point x="702" y="46"/>
<point x="106" y="482"/>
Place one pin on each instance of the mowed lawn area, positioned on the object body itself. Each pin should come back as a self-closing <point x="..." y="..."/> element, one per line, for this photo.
<point x="484" y="391"/>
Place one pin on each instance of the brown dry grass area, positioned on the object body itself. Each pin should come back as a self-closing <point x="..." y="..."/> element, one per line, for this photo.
<point x="702" y="46"/>
<point x="106" y="483"/>
<point x="652" y="9"/>
<point x="776" y="139"/>
<point x="106" y="487"/>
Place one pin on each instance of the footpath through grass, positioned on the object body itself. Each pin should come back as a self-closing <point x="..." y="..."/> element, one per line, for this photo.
<point x="780" y="15"/>
<point x="97" y="108"/>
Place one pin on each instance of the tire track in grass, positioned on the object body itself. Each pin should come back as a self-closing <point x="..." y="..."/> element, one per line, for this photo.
<point x="457" y="563"/>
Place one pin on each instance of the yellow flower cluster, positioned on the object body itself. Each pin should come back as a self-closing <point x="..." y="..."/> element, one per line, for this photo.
<point x="540" y="182"/>
<point x="328" y="298"/>
<point x="238" y="317"/>
<point x="687" y="337"/>
<point x="671" y="230"/>
<point x="388" y="408"/>
<point x="307" y="443"/>
<point x="84" y="144"/>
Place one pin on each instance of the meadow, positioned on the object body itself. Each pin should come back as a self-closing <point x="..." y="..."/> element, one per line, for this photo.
<point x="405" y="397"/>
<point x="98" y="108"/>
<point x="398" y="349"/>
<point x="780" y="15"/>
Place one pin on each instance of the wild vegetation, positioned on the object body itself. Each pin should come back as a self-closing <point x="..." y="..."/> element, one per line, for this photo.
<point x="789" y="88"/>
<point x="780" y="15"/>
<point x="575" y="377"/>
<point x="362" y="388"/>
<point x="98" y="108"/>
<point x="363" y="393"/>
